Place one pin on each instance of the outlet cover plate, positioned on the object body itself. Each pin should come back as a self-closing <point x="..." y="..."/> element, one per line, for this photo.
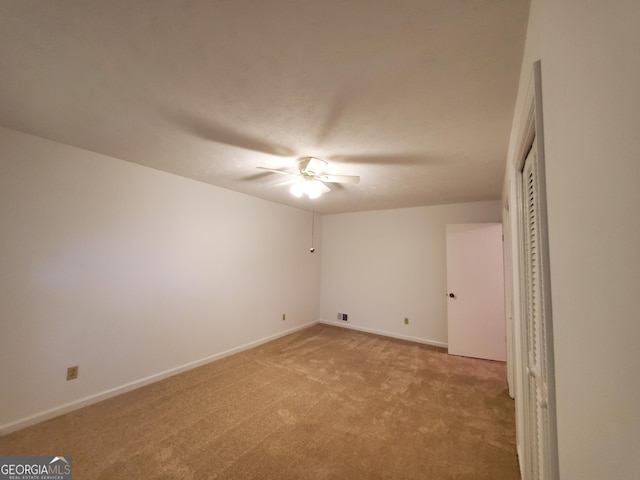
<point x="72" y="372"/>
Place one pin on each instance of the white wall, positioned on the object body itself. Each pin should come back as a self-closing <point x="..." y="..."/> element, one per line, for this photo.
<point x="382" y="266"/>
<point x="130" y="272"/>
<point x="590" y="76"/>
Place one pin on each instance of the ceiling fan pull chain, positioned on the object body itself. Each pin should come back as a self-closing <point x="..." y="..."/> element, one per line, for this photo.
<point x="313" y="224"/>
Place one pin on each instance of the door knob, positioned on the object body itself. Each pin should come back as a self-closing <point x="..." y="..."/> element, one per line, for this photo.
<point x="452" y="295"/>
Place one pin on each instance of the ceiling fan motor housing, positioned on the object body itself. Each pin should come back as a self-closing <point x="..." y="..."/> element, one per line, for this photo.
<point x="311" y="165"/>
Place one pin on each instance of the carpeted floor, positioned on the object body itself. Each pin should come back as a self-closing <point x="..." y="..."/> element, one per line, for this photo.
<point x="322" y="403"/>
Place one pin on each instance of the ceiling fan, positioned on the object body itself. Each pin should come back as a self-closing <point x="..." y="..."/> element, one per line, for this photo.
<point x="310" y="179"/>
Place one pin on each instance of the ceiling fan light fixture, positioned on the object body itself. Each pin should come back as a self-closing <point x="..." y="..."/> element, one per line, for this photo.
<point x="313" y="188"/>
<point x="296" y="190"/>
<point x="310" y="187"/>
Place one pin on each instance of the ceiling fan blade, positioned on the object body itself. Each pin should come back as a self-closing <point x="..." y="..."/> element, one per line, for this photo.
<point x="311" y="165"/>
<point x="324" y="188"/>
<point x="291" y="181"/>
<point x="339" y="178"/>
<point x="283" y="172"/>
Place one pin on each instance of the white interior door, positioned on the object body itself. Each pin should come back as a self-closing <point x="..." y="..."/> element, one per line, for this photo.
<point x="476" y="321"/>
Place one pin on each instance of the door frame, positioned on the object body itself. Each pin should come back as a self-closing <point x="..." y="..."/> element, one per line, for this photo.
<point x="531" y="131"/>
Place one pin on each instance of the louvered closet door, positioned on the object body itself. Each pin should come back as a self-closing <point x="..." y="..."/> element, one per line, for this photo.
<point x="538" y="465"/>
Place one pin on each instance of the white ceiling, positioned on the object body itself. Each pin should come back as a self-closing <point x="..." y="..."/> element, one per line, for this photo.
<point x="415" y="96"/>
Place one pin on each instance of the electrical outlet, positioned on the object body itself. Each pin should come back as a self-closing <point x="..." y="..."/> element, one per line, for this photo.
<point x="284" y="316"/>
<point x="406" y="320"/>
<point x="344" y="317"/>
<point x="72" y="372"/>
<point x="339" y="316"/>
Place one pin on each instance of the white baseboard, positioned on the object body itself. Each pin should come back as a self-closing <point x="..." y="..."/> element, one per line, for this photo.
<point x="83" y="402"/>
<point x="386" y="334"/>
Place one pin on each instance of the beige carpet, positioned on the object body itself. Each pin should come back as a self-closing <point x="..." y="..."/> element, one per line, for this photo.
<point x="322" y="403"/>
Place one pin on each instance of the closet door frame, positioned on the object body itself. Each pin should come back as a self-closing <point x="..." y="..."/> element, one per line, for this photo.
<point x="539" y="457"/>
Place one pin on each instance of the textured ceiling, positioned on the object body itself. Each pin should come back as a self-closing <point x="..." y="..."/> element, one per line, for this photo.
<point x="415" y="96"/>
